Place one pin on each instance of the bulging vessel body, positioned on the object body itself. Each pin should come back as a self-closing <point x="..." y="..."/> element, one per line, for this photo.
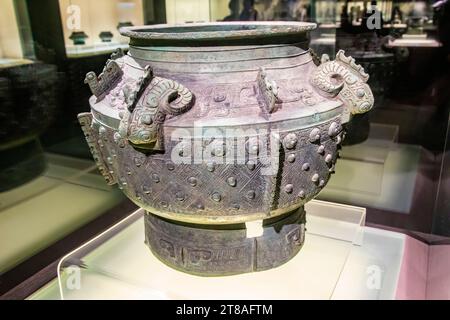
<point x="222" y="123"/>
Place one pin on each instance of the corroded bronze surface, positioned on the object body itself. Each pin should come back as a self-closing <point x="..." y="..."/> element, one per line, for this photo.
<point x="219" y="250"/>
<point x="222" y="123"/>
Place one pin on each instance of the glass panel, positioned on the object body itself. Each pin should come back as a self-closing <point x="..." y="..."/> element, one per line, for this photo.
<point x="119" y="261"/>
<point x="49" y="184"/>
<point x="28" y="224"/>
<point x="388" y="153"/>
<point x="394" y="162"/>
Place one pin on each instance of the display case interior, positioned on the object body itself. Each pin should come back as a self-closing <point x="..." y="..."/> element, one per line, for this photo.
<point x="416" y="17"/>
<point x="31" y="170"/>
<point x="392" y="172"/>
<point x="91" y="27"/>
<point x="185" y="11"/>
<point x="15" y="44"/>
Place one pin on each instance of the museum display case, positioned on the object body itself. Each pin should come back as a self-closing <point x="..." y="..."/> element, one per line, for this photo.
<point x="31" y="176"/>
<point x="360" y="213"/>
<point x="86" y="24"/>
<point x="28" y="99"/>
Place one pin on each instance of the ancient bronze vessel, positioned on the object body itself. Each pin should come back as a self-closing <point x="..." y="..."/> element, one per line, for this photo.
<point x="210" y="126"/>
<point x="78" y="37"/>
<point x="106" y="36"/>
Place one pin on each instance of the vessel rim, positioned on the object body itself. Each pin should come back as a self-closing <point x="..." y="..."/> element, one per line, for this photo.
<point x="217" y="30"/>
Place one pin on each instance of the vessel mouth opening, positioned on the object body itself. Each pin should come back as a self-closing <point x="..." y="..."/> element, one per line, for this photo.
<point x="217" y="31"/>
<point x="198" y="28"/>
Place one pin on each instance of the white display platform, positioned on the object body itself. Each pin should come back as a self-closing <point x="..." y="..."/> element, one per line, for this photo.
<point x="8" y="63"/>
<point x="337" y="261"/>
<point x="414" y="42"/>
<point x="327" y="40"/>
<point x="78" y="51"/>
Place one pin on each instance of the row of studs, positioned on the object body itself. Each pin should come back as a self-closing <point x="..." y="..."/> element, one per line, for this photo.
<point x="290" y="142"/>
<point x="232" y="181"/>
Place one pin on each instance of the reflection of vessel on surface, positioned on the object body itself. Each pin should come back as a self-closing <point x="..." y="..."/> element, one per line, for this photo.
<point x="290" y="128"/>
<point x="323" y="39"/>
<point x="21" y="164"/>
<point x="28" y="95"/>
<point x="366" y="46"/>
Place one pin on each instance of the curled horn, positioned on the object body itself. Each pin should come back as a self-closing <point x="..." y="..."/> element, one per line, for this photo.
<point x="143" y="124"/>
<point x="175" y="98"/>
<point x="329" y="78"/>
<point x="345" y="80"/>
